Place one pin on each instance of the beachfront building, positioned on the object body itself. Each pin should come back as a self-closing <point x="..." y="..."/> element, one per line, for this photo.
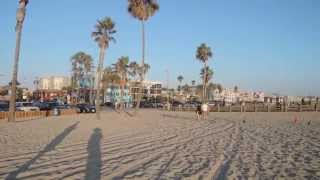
<point x="151" y="89"/>
<point x="258" y="96"/>
<point x="274" y="99"/>
<point x="113" y="96"/>
<point x="54" y="82"/>
<point x="227" y="96"/>
<point x="51" y="88"/>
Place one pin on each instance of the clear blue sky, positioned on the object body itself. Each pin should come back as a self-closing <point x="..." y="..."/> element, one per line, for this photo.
<point x="267" y="45"/>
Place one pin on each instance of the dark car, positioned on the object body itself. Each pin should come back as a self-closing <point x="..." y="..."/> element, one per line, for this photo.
<point x="4" y="106"/>
<point x="145" y="104"/>
<point x="43" y="106"/>
<point x="86" y="108"/>
<point x="177" y="104"/>
<point x="50" y="105"/>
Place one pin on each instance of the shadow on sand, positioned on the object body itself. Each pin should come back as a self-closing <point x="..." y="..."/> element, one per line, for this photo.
<point x="94" y="163"/>
<point x="51" y="146"/>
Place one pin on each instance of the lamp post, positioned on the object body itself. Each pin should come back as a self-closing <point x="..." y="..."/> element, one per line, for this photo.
<point x="21" y="12"/>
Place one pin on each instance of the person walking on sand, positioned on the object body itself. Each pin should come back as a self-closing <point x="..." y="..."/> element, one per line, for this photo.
<point x="198" y="112"/>
<point x="204" y="109"/>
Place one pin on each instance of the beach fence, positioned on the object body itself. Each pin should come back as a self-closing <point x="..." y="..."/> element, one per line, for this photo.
<point x="32" y="115"/>
<point x="256" y="108"/>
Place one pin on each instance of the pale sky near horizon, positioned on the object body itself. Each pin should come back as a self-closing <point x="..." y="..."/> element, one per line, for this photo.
<point x="266" y="45"/>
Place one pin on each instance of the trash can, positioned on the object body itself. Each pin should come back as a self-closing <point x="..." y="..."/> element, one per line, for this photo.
<point x="56" y="112"/>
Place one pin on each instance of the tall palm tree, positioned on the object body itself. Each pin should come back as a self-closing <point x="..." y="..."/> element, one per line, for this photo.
<point x="203" y="54"/>
<point x="104" y="29"/>
<point x="81" y="68"/>
<point x="20" y="18"/>
<point x="121" y="67"/>
<point x="180" y="79"/>
<point x="142" y="10"/>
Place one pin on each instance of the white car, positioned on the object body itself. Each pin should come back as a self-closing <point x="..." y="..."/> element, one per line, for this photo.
<point x="26" y="106"/>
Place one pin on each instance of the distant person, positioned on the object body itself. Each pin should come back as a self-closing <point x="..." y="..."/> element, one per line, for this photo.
<point x="204" y="109"/>
<point x="198" y="112"/>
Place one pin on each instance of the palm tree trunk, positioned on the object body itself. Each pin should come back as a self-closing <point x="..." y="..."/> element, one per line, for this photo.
<point x="15" y="73"/>
<point x="91" y="90"/>
<point x="140" y="93"/>
<point x="99" y="74"/>
<point x="204" y="83"/>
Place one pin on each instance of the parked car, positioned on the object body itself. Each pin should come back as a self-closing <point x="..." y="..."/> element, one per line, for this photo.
<point x="192" y="104"/>
<point x="26" y="106"/>
<point x="50" y="105"/>
<point x="43" y="106"/>
<point x="86" y="108"/>
<point x="4" y="106"/>
<point x="145" y="104"/>
<point x="157" y="105"/>
<point x="177" y="104"/>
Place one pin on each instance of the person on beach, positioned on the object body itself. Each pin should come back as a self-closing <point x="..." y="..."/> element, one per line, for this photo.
<point x="204" y="109"/>
<point x="198" y="112"/>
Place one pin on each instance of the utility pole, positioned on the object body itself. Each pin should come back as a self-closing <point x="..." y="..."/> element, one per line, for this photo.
<point x="21" y="12"/>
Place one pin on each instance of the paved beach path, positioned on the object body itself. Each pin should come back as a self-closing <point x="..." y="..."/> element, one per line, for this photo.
<point x="163" y="145"/>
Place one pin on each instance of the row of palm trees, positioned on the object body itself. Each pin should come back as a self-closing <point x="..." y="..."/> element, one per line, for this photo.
<point x="105" y="28"/>
<point x="103" y="36"/>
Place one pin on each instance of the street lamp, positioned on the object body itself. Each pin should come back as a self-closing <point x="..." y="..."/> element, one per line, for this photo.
<point x="21" y="12"/>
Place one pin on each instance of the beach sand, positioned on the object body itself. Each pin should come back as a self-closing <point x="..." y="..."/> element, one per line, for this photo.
<point x="163" y="145"/>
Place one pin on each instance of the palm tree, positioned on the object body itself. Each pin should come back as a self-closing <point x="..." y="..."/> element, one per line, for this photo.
<point x="193" y="82"/>
<point x="36" y="83"/>
<point x="81" y="68"/>
<point x="180" y="79"/>
<point x="203" y="54"/>
<point x="20" y="18"/>
<point x="109" y="77"/>
<point x="142" y="10"/>
<point x="236" y="89"/>
<point x="209" y="74"/>
<point x="134" y="70"/>
<point x="105" y="28"/>
<point x="121" y="67"/>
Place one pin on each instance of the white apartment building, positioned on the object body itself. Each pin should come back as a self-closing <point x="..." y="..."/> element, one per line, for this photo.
<point x="230" y="97"/>
<point x="54" y="82"/>
<point x="227" y="95"/>
<point x="151" y="88"/>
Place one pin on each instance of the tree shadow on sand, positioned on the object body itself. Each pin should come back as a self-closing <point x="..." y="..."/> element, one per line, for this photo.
<point x="94" y="163"/>
<point x="51" y="146"/>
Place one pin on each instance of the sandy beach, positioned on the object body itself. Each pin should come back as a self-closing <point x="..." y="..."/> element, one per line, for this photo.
<point x="163" y="145"/>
